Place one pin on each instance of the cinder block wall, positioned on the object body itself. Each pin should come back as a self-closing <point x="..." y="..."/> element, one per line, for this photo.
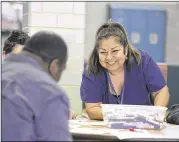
<point x="68" y="20"/>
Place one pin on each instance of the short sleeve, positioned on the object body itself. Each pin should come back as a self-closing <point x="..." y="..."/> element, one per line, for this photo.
<point x="153" y="76"/>
<point x="91" y="88"/>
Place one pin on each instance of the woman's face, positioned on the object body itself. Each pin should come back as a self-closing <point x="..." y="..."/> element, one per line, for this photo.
<point x="111" y="54"/>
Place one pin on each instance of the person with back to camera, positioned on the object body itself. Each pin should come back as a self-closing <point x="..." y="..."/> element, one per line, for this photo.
<point x="14" y="44"/>
<point x="34" y="107"/>
<point x="118" y="73"/>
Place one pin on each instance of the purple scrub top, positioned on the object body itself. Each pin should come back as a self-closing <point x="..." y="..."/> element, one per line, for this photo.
<point x="138" y="84"/>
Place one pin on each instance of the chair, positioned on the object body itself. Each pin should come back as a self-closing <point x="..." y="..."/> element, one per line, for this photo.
<point x="164" y="68"/>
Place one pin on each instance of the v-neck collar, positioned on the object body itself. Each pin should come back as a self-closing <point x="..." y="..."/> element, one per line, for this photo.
<point x="112" y="87"/>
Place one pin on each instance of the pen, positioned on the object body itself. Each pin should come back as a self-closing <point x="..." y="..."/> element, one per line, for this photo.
<point x="135" y="130"/>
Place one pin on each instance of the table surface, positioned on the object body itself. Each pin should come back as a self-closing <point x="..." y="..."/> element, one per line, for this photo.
<point x="169" y="133"/>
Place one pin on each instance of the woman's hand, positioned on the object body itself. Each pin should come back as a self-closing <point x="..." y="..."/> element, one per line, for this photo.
<point x="73" y="115"/>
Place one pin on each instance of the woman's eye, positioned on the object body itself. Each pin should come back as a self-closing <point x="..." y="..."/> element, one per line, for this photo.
<point x="102" y="52"/>
<point x="115" y="51"/>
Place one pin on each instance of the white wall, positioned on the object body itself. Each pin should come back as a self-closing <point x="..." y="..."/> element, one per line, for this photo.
<point x="68" y="20"/>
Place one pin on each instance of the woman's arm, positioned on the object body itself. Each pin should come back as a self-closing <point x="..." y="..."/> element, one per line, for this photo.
<point x="94" y="111"/>
<point x="91" y="92"/>
<point x="161" y="97"/>
<point x="155" y="81"/>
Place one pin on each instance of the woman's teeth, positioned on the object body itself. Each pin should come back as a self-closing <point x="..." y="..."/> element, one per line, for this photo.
<point x="110" y="63"/>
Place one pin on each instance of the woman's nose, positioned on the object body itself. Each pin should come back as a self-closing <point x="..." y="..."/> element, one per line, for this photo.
<point x="109" y="56"/>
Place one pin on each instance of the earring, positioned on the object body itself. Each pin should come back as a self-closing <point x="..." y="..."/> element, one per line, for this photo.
<point x="126" y="57"/>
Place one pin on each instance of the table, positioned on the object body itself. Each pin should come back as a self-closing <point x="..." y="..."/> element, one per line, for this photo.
<point x="169" y="133"/>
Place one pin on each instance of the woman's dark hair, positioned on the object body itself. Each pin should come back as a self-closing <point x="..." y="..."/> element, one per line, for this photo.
<point x="48" y="46"/>
<point x="16" y="37"/>
<point x="105" y="31"/>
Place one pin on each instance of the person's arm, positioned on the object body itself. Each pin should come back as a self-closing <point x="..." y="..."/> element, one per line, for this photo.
<point x="17" y="122"/>
<point x="161" y="97"/>
<point x="91" y="94"/>
<point x="52" y="124"/>
<point x="94" y="111"/>
<point x="73" y="114"/>
<point x="155" y="82"/>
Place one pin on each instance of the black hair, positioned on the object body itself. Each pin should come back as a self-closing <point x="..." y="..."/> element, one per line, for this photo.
<point x="15" y="37"/>
<point x="112" y="29"/>
<point x="48" y="46"/>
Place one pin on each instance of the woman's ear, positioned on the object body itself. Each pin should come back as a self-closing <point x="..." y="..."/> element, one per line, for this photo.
<point x="126" y="50"/>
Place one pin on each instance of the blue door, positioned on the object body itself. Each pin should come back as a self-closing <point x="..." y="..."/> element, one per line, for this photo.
<point x="156" y="35"/>
<point x="146" y="28"/>
<point x="122" y="16"/>
<point x="138" y="30"/>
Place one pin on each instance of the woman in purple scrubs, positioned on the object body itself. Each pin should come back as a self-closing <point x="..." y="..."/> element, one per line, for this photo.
<point x="118" y="73"/>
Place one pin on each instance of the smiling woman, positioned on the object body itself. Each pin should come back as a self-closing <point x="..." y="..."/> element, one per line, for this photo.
<point x="118" y="73"/>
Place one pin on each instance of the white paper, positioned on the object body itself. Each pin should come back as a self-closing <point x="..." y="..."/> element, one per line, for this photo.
<point x="97" y="123"/>
<point x="129" y="134"/>
<point x="87" y="123"/>
<point x="171" y="131"/>
<point x="95" y="131"/>
<point x="76" y="121"/>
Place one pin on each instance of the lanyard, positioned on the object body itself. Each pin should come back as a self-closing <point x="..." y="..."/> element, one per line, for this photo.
<point x="116" y="96"/>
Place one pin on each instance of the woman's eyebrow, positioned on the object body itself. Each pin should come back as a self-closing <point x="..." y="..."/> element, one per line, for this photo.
<point x="111" y="48"/>
<point x="115" y="47"/>
<point x="102" y="48"/>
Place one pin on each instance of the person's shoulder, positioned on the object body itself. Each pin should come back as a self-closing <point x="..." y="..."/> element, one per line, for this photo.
<point x="31" y="78"/>
<point x="145" y="57"/>
<point x="92" y="77"/>
<point x="144" y="54"/>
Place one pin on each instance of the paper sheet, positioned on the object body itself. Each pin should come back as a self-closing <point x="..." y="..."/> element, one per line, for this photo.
<point x="87" y="123"/>
<point x="129" y="134"/>
<point x="171" y="131"/>
<point x="95" y="131"/>
<point x="98" y="123"/>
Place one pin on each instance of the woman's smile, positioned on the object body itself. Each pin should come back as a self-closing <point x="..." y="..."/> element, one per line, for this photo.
<point x="110" y="63"/>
